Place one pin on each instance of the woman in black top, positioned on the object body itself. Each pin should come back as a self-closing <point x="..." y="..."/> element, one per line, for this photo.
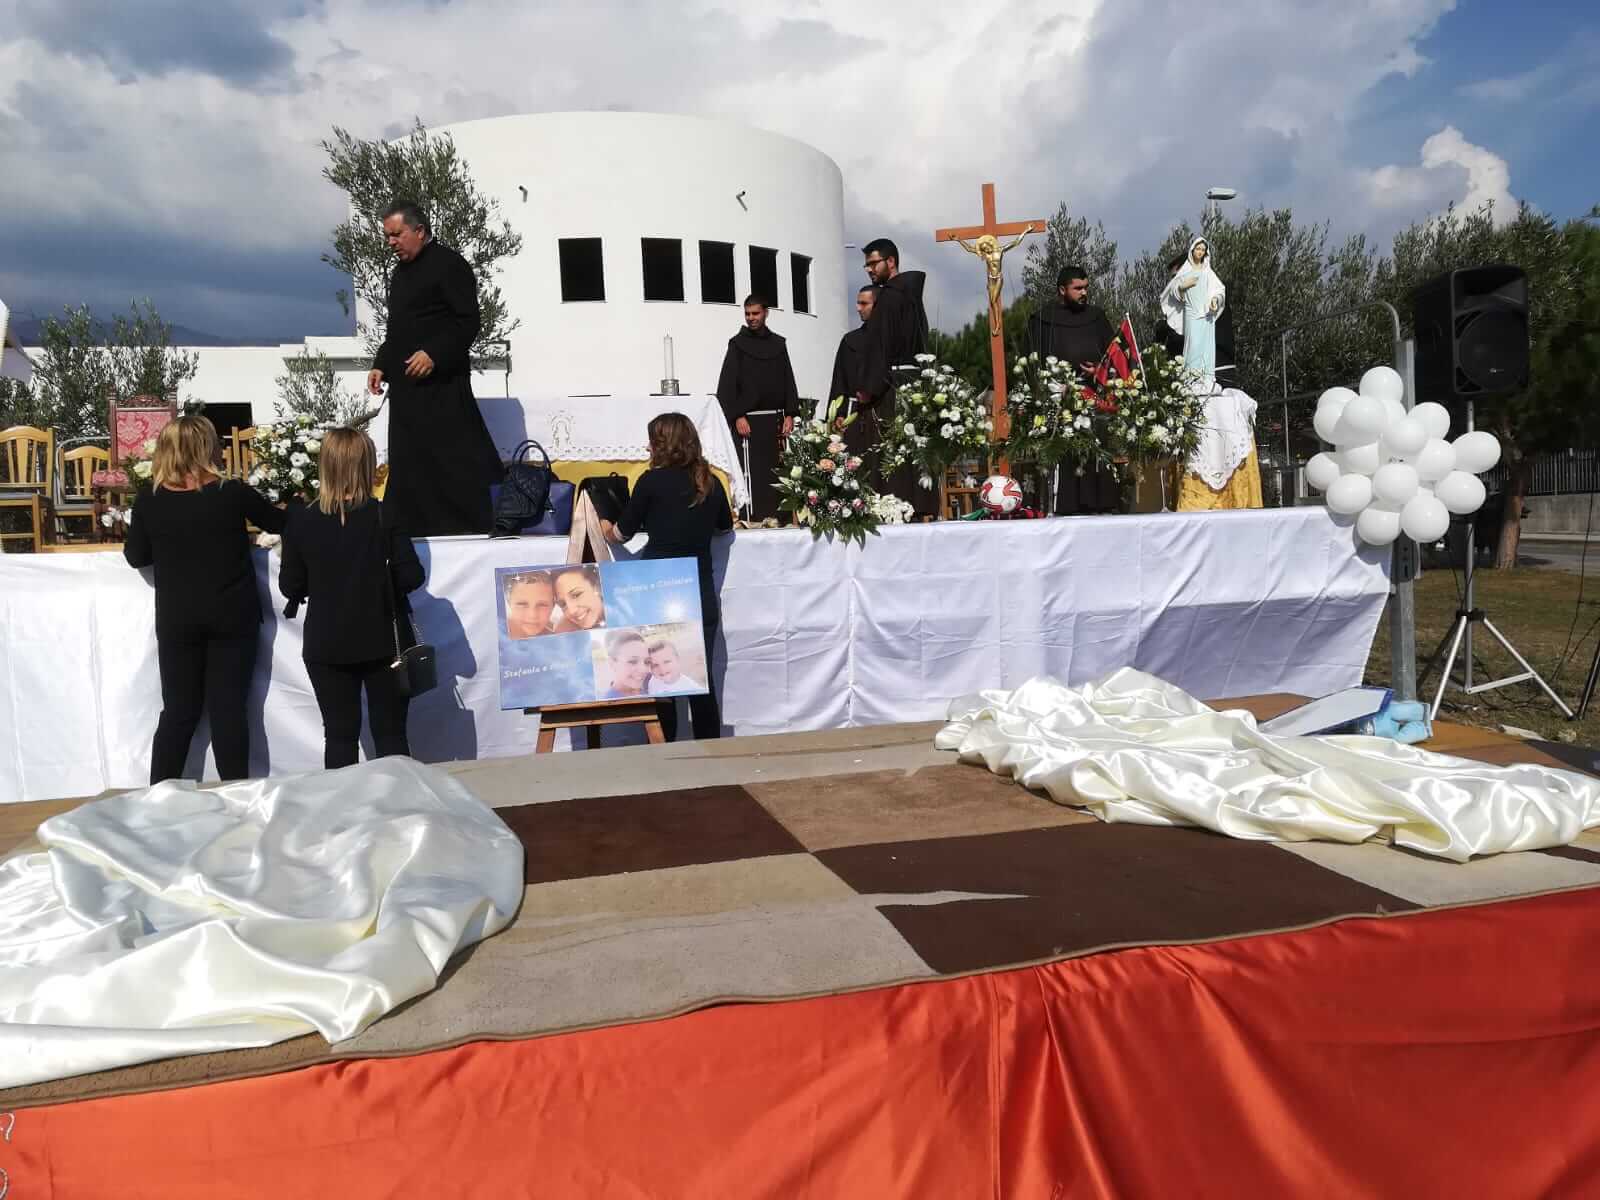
<point x="682" y="507"/>
<point x="349" y="562"/>
<point x="191" y="525"/>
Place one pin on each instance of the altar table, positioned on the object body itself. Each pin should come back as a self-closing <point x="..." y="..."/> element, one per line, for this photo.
<point x="815" y="634"/>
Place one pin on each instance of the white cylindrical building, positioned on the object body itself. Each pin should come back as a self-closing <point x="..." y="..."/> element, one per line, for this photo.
<point x="640" y="226"/>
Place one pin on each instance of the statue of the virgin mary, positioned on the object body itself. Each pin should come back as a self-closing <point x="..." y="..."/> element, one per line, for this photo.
<point x="1192" y="300"/>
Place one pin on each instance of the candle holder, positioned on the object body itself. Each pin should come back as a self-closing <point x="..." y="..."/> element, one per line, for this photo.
<point x="669" y="387"/>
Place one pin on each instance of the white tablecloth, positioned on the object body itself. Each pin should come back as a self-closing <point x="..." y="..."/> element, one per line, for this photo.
<point x="598" y="428"/>
<point x="815" y="634"/>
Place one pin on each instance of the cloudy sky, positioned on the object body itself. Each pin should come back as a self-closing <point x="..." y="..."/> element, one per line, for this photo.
<point x="169" y="147"/>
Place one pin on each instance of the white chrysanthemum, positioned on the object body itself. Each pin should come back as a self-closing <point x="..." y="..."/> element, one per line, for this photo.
<point x="296" y="475"/>
<point x="299" y="460"/>
<point x="796" y="473"/>
<point x="924" y="358"/>
<point x="911" y="429"/>
<point x="314" y="444"/>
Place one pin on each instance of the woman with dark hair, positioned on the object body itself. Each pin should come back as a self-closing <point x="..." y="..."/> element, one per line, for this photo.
<point x="583" y="606"/>
<point x="682" y="507"/>
<point x="191" y="526"/>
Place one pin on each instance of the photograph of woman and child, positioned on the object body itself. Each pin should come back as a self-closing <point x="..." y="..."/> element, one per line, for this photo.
<point x="639" y="627"/>
<point x="558" y="600"/>
<point x="666" y="660"/>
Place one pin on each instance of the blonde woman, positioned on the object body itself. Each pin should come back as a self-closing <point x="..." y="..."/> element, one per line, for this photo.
<point x="345" y="558"/>
<point x="190" y="525"/>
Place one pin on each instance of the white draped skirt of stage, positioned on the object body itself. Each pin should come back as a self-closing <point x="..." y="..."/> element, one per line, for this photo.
<point x="176" y="921"/>
<point x="1132" y="748"/>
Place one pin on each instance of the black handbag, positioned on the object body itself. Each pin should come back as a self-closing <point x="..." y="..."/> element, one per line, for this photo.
<point x="415" y="669"/>
<point x="525" y="493"/>
<point x="609" y="493"/>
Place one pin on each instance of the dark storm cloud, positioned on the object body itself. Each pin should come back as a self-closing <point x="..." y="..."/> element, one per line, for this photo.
<point x="229" y="39"/>
<point x="219" y="289"/>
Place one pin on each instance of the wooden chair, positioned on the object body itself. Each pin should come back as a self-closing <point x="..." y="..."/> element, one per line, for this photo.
<point x="27" y="464"/>
<point x="956" y="499"/>
<point x="135" y="421"/>
<point x="239" y="455"/>
<point x="75" y="501"/>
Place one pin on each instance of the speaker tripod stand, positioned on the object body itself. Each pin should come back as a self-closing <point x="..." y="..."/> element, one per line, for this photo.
<point x="1460" y="637"/>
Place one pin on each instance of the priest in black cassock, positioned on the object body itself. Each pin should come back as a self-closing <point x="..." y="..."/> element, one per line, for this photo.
<point x="442" y="461"/>
<point x="898" y="332"/>
<point x="853" y="379"/>
<point x="1077" y="332"/>
<point x="758" y="396"/>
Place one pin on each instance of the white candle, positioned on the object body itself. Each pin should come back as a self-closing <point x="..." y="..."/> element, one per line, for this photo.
<point x="669" y="374"/>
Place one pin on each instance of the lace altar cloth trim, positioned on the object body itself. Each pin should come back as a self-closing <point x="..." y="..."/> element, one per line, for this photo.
<point x="1228" y="438"/>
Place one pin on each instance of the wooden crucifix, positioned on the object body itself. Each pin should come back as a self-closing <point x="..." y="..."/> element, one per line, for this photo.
<point x="984" y="241"/>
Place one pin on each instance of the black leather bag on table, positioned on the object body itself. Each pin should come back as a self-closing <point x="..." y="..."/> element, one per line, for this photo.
<point x="415" y="668"/>
<point x="610" y="495"/>
<point x="524" y="497"/>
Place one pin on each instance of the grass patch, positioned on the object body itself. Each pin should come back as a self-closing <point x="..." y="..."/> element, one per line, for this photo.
<point x="1532" y="607"/>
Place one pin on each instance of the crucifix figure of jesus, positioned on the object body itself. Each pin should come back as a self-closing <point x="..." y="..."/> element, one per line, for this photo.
<point x="984" y="241"/>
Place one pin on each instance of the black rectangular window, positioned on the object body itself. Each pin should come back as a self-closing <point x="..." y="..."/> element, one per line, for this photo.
<point x="800" y="282"/>
<point x="583" y="271"/>
<point x="764" y="274"/>
<point x="716" y="273"/>
<point x="663" y="268"/>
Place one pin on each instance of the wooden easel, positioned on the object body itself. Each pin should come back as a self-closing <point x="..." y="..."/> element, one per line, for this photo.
<point x="592" y="716"/>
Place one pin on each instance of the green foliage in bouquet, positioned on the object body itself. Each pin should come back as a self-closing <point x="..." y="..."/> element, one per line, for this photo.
<point x="1054" y="418"/>
<point x="938" y="421"/>
<point x="287" y="454"/>
<point x="1158" y="412"/>
<point x="819" y="480"/>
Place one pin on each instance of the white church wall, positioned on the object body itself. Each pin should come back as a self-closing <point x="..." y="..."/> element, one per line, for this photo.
<point x="624" y="177"/>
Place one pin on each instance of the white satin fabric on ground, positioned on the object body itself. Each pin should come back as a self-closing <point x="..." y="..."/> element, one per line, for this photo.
<point x="177" y="921"/>
<point x="1132" y="748"/>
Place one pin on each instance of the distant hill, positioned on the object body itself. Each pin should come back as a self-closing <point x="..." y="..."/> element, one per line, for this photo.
<point x="26" y="329"/>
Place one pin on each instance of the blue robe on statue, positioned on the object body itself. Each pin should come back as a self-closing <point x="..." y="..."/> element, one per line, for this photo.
<point x="1193" y="312"/>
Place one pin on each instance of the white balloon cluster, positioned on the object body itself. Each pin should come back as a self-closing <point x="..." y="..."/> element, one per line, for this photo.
<point x="1391" y="469"/>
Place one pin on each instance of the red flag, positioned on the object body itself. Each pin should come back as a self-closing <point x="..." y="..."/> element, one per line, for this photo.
<point x="1121" y="357"/>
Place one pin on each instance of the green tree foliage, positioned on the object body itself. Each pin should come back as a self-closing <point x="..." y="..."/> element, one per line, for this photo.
<point x="426" y="168"/>
<point x="1555" y="412"/>
<point x="1072" y="241"/>
<point x="967" y="350"/>
<point x="81" y="363"/>
<point x="1283" y="276"/>
<point x="310" y="387"/>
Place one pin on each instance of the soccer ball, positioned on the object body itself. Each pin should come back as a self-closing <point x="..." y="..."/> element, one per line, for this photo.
<point x="1000" y="494"/>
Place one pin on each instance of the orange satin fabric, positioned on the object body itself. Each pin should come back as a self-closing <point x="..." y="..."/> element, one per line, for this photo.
<point x="1453" y="1053"/>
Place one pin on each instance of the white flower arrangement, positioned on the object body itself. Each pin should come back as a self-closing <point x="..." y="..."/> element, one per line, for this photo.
<point x="287" y="459"/>
<point x="940" y="423"/>
<point x="818" y="481"/>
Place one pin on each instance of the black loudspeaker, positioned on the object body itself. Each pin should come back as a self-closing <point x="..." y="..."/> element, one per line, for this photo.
<point x="1472" y="334"/>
